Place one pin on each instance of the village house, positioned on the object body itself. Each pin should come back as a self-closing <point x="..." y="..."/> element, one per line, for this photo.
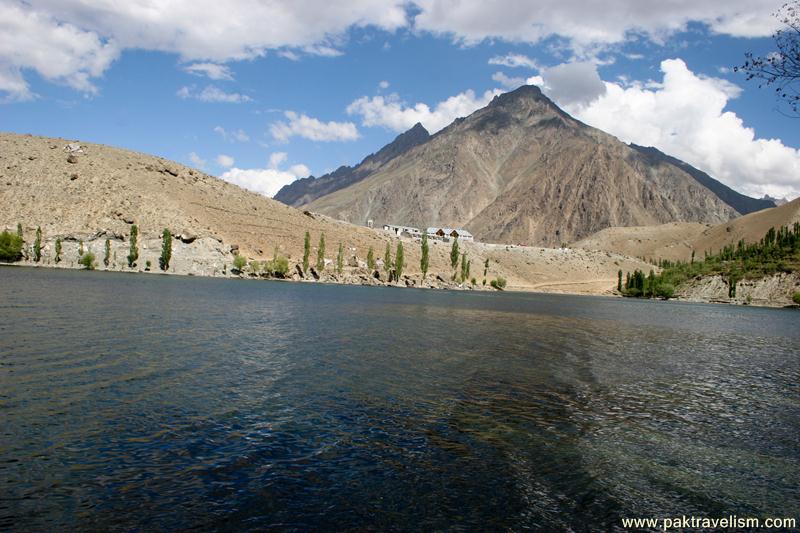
<point x="403" y="231"/>
<point x="445" y="234"/>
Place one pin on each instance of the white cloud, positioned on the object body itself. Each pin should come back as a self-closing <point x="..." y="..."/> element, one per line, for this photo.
<point x="684" y="116"/>
<point x="58" y="52"/>
<point x="313" y="129"/>
<point x="507" y="81"/>
<point x="590" y="23"/>
<point x="213" y="71"/>
<point x="390" y="112"/>
<point x="573" y="83"/>
<point x="276" y="159"/>
<point x="74" y="41"/>
<point x="267" y="181"/>
<point x="225" y="161"/>
<point x="197" y="161"/>
<point x="514" y="60"/>
<point x="212" y="93"/>
<point x="383" y="85"/>
<point x="236" y="135"/>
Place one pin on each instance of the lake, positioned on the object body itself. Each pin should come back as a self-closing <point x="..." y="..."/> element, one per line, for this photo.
<point x="161" y="402"/>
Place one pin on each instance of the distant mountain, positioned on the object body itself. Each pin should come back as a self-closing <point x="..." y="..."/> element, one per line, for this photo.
<point x="521" y="170"/>
<point x="743" y="204"/>
<point x="776" y="201"/>
<point x="309" y="189"/>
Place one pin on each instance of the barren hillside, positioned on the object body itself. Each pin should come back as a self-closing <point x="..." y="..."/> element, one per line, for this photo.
<point x="676" y="241"/>
<point x="523" y="171"/>
<point x="99" y="193"/>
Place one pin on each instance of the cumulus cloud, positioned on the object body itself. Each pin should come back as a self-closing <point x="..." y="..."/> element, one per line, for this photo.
<point x="212" y="93"/>
<point x="232" y="136"/>
<point x="267" y="181"/>
<point x="302" y="125"/>
<point x="74" y="41"/>
<point x="394" y="114"/>
<point x="225" y="161"/>
<point x="590" y="23"/>
<point x="213" y="71"/>
<point x="59" y="52"/>
<point x="684" y="116"/>
<point x="383" y="85"/>
<point x="573" y="83"/>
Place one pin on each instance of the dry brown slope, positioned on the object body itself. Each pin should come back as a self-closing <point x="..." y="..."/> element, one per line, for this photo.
<point x="107" y="188"/>
<point x="677" y="241"/>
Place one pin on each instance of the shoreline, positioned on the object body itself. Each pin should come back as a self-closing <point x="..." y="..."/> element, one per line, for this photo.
<point x="449" y="286"/>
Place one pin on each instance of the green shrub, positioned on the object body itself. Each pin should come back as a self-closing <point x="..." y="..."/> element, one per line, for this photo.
<point x="498" y="283"/>
<point x="239" y="262"/>
<point x="255" y="267"/>
<point x="87" y="261"/>
<point x="796" y="298"/>
<point x="278" y="267"/>
<point x="10" y="246"/>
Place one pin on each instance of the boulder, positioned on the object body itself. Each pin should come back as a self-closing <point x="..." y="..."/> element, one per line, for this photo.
<point x="298" y="272"/>
<point x="72" y="159"/>
<point x="314" y="273"/>
<point x="187" y="237"/>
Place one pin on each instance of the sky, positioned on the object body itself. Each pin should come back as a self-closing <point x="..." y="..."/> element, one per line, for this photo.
<point x="261" y="93"/>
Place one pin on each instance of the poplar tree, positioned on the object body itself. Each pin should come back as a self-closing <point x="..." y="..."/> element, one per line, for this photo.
<point x="321" y="253"/>
<point x="399" y="260"/>
<point x="454" y="254"/>
<point x="19" y="231"/>
<point x="166" y="249"/>
<point x="133" y="254"/>
<point x="107" y="256"/>
<point x="387" y="259"/>
<point x="37" y="245"/>
<point x="340" y="260"/>
<point x="58" y="250"/>
<point x="306" y="251"/>
<point x="463" y="267"/>
<point x="424" y="259"/>
<point x="371" y="259"/>
<point x="619" y="280"/>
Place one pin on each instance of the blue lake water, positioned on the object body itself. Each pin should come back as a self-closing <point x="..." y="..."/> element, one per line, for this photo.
<point x="162" y="402"/>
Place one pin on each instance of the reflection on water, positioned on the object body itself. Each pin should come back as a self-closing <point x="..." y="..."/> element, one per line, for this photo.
<point x="160" y="402"/>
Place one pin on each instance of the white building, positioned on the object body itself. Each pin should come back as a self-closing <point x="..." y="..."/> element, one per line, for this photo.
<point x="402" y="231"/>
<point x="445" y="234"/>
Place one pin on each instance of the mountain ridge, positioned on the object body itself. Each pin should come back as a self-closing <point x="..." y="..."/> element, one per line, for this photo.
<point x="305" y="190"/>
<point x="522" y="170"/>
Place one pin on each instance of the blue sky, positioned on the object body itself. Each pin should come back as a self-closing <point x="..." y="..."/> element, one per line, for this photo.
<point x="261" y="94"/>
